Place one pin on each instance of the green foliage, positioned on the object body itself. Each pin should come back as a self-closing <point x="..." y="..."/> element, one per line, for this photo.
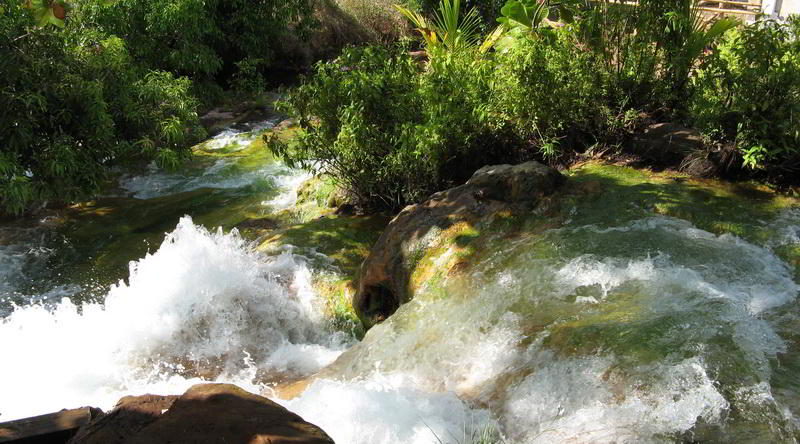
<point x="488" y="10"/>
<point x="48" y="12"/>
<point x="748" y="93"/>
<point x="248" y="79"/>
<point x="73" y="103"/>
<point x="204" y="39"/>
<point x="690" y="34"/>
<point x="520" y="18"/>
<point x="647" y="51"/>
<point x="543" y="85"/>
<point x="448" y="27"/>
<point x="389" y="131"/>
<point x="621" y="41"/>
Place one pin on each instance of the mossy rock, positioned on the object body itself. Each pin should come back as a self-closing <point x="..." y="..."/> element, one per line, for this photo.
<point x="427" y="239"/>
<point x="595" y="194"/>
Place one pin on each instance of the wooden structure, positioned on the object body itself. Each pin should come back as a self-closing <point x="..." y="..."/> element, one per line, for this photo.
<point x="745" y="9"/>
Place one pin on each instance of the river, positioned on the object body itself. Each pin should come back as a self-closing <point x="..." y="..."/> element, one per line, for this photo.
<point x="630" y="328"/>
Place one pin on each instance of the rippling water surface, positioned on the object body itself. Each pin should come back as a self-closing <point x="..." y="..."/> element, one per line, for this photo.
<point x="643" y="330"/>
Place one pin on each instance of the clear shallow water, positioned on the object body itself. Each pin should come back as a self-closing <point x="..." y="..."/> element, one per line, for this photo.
<point x="219" y="173"/>
<point x="649" y="330"/>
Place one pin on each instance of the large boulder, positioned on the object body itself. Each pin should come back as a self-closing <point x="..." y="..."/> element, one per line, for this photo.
<point x="666" y="145"/>
<point x="385" y="275"/>
<point x="205" y="413"/>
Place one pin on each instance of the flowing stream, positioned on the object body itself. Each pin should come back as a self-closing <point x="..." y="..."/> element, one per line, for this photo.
<point x="640" y="330"/>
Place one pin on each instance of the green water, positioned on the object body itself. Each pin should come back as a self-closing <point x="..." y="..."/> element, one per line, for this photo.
<point x="615" y="318"/>
<point x="80" y="250"/>
<point x="634" y="307"/>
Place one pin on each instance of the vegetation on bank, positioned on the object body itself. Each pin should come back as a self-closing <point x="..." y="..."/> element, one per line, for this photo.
<point x="89" y="84"/>
<point x="552" y="82"/>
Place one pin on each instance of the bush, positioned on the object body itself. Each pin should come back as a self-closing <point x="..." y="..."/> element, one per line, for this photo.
<point x="73" y="103"/>
<point x="748" y="93"/>
<point x="546" y="86"/>
<point x="203" y="39"/>
<point x="392" y="132"/>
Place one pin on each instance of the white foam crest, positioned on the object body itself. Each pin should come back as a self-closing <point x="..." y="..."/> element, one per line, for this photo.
<point x="237" y="139"/>
<point x="289" y="183"/>
<point x="461" y="347"/>
<point x="585" y="271"/>
<point x="203" y="299"/>
<point x="388" y="409"/>
<point x="723" y="265"/>
<point x="223" y="174"/>
<point x="587" y="399"/>
<point x="786" y="227"/>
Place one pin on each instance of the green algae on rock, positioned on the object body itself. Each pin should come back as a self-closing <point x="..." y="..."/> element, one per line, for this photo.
<point x="386" y="280"/>
<point x="596" y="194"/>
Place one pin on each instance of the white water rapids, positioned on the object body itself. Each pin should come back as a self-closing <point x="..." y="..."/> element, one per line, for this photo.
<point x="647" y="331"/>
<point x="629" y="347"/>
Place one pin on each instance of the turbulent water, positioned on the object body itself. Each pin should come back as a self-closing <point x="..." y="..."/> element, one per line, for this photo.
<point x="650" y="330"/>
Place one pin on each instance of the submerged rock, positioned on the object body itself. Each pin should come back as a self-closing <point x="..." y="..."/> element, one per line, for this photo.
<point x="386" y="273"/>
<point x="205" y="413"/>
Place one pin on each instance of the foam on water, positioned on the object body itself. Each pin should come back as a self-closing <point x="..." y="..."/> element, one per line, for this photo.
<point x="289" y="183"/>
<point x="203" y="304"/>
<point x="387" y="409"/>
<point x="585" y="400"/>
<point x="786" y="228"/>
<point x="223" y="174"/>
<point x="239" y="139"/>
<point x="634" y="333"/>
<point x="677" y="335"/>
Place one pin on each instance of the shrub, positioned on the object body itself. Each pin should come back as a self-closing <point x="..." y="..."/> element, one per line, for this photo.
<point x="392" y="132"/>
<point x="204" y="39"/>
<point x="546" y="85"/>
<point x="648" y="51"/>
<point x="73" y="103"/>
<point x="748" y="93"/>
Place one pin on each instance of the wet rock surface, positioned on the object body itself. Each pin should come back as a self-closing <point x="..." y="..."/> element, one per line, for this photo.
<point x="385" y="274"/>
<point x="205" y="413"/>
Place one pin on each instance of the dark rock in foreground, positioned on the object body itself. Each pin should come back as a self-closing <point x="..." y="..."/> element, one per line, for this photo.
<point x="52" y="428"/>
<point x="205" y="413"/>
<point x="384" y="283"/>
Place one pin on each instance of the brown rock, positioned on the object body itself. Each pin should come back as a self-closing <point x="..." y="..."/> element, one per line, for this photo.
<point x="129" y="416"/>
<point x="205" y="413"/>
<point x="385" y="274"/>
<point x="666" y="144"/>
<point x="699" y="164"/>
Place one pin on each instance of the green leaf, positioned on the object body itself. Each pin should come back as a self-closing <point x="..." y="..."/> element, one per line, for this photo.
<point x="44" y="12"/>
<point x="514" y="10"/>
